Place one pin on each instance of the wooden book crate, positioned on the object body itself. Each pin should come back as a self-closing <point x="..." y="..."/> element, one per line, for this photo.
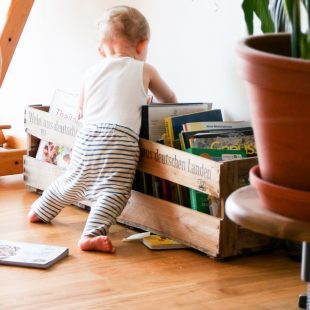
<point x="216" y="236"/>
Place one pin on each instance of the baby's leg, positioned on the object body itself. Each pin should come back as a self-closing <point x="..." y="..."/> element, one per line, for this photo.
<point x="58" y="194"/>
<point x="102" y="215"/>
<point x="114" y="168"/>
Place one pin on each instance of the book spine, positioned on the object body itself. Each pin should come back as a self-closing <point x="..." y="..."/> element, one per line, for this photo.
<point x="144" y="131"/>
<point x="199" y="201"/>
<point x="182" y="142"/>
<point x="165" y="190"/>
<point x="169" y="138"/>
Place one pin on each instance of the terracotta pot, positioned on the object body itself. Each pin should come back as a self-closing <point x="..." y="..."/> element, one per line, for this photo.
<point x="278" y="89"/>
<point x="279" y="199"/>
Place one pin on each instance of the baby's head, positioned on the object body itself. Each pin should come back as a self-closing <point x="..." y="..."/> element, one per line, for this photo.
<point x="123" y="24"/>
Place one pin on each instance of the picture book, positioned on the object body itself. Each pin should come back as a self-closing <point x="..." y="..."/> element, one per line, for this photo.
<point x="231" y="140"/>
<point x="185" y="136"/>
<point x="30" y="254"/>
<point x="153" y="115"/>
<point x="174" y="124"/>
<point x="156" y="242"/>
<point x="197" y="126"/>
<point x="203" y="202"/>
<point x="64" y="105"/>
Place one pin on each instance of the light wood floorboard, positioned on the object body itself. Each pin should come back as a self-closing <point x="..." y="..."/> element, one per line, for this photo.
<point x="134" y="277"/>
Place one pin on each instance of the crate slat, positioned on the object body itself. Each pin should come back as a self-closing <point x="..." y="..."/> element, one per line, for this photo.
<point x="187" y="226"/>
<point x="180" y="167"/>
<point x="39" y="175"/>
<point x="50" y="127"/>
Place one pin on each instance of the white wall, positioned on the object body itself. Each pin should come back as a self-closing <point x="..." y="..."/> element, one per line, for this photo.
<point x="193" y="47"/>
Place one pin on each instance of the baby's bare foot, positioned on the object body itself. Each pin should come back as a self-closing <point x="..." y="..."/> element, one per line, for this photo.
<point x="98" y="243"/>
<point x="33" y="218"/>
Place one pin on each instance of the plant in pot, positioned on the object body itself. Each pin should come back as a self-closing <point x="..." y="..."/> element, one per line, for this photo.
<point x="276" y="69"/>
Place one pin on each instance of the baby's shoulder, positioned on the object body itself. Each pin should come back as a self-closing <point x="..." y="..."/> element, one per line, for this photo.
<point x="149" y="71"/>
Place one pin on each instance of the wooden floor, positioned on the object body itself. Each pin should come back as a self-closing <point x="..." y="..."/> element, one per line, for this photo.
<point x="135" y="277"/>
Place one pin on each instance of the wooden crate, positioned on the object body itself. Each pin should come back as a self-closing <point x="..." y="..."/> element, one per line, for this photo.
<point x="216" y="236"/>
<point x="12" y="150"/>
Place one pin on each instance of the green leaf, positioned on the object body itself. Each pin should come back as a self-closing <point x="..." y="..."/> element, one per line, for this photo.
<point x="260" y="9"/>
<point x="293" y="11"/>
<point x="248" y="15"/>
<point x="305" y="46"/>
<point x="289" y="8"/>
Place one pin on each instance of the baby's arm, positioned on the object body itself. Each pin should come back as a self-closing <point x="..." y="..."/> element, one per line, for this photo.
<point x="160" y="89"/>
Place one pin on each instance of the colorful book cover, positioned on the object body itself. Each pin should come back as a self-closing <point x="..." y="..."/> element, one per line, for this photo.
<point x="230" y="140"/>
<point x="64" y="105"/>
<point x="203" y="202"/>
<point x="174" y="124"/>
<point x="185" y="136"/>
<point x="197" y="126"/>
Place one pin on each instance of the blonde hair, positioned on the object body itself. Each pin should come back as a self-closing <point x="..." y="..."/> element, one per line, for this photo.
<point x="124" y="22"/>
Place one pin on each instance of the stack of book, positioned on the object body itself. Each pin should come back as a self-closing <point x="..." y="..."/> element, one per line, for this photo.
<point x="219" y="141"/>
<point x="198" y="129"/>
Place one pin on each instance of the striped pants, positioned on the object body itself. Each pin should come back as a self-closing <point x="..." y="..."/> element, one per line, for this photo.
<point x="102" y="169"/>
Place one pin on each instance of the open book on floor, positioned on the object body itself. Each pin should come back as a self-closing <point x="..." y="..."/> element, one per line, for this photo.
<point x="30" y="254"/>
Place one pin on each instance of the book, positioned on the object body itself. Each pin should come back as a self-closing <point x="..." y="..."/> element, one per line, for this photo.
<point x="218" y="155"/>
<point x="185" y="136"/>
<point x="196" y="126"/>
<point x="153" y="114"/>
<point x="174" y="124"/>
<point x="231" y="140"/>
<point x="203" y="202"/>
<point x="63" y="104"/>
<point x="30" y="254"/>
<point x="156" y="242"/>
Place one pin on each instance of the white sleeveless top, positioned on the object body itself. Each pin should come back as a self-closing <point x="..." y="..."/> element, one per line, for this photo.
<point x="114" y="93"/>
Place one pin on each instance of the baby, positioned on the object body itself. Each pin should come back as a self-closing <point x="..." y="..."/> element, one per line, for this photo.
<point x="106" y="151"/>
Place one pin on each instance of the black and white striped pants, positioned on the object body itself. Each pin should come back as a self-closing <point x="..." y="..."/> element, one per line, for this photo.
<point x="102" y="169"/>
